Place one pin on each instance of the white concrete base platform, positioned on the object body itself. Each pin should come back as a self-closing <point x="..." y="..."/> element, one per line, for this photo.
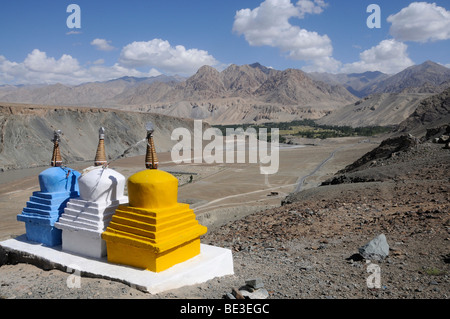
<point x="212" y="262"/>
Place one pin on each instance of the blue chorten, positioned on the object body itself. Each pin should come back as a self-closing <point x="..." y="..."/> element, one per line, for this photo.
<point x="58" y="184"/>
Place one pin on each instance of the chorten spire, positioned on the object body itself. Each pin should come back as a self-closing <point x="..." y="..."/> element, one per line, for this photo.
<point x="151" y="160"/>
<point x="100" y="156"/>
<point x="56" y="156"/>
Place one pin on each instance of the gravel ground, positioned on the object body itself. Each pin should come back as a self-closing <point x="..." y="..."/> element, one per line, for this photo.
<point x="308" y="249"/>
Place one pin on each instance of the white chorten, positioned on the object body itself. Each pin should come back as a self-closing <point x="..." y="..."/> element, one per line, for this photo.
<point x="85" y="218"/>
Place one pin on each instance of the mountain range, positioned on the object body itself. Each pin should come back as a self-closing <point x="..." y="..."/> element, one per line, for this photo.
<point x="250" y="94"/>
<point x="428" y="77"/>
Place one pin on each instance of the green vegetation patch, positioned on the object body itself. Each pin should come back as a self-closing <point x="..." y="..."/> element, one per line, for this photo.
<point x="310" y="129"/>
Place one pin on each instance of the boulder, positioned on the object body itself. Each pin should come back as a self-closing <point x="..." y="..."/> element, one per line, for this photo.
<point x="255" y="283"/>
<point x="376" y="249"/>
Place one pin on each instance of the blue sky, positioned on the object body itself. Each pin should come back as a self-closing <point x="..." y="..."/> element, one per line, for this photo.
<point x="149" y="37"/>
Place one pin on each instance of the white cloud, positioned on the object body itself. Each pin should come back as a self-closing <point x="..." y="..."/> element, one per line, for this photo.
<point x="324" y="64"/>
<point x="154" y="55"/>
<point x="268" y="25"/>
<point x="99" y="61"/>
<point x="102" y="45"/>
<point x="39" y="68"/>
<point x="311" y="7"/>
<point x="38" y="61"/>
<point x="421" y="22"/>
<point x="161" y="55"/>
<point x="389" y="56"/>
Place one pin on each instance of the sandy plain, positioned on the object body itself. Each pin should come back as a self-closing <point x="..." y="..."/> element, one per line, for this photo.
<point x="218" y="193"/>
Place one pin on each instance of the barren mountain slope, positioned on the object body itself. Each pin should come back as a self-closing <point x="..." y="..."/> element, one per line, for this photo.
<point x="428" y="77"/>
<point x="383" y="109"/>
<point x="356" y="83"/>
<point x="26" y="131"/>
<point x="94" y="94"/>
<point x="431" y="112"/>
<point x="424" y="78"/>
<point x="294" y="87"/>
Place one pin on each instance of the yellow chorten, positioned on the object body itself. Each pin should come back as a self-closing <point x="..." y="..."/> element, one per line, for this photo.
<point x="154" y="231"/>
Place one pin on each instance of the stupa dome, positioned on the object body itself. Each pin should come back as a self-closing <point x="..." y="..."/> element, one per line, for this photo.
<point x="58" y="180"/>
<point x="152" y="189"/>
<point x="101" y="185"/>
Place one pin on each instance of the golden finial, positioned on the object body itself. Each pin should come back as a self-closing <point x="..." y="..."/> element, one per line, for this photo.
<point x="151" y="160"/>
<point x="100" y="156"/>
<point x="56" y="156"/>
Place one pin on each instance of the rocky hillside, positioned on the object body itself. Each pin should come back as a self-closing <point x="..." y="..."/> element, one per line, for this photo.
<point x="26" y="132"/>
<point x="381" y="109"/>
<point x="429" y="123"/>
<point x="431" y="112"/>
<point x="426" y="77"/>
<point x="233" y="111"/>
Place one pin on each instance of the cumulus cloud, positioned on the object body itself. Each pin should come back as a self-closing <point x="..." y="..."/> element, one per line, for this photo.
<point x="324" y="64"/>
<point x="39" y="68"/>
<point x="389" y="56"/>
<point x="421" y="22"/>
<point x="38" y="61"/>
<point x="161" y="55"/>
<point x="102" y="45"/>
<point x="155" y="56"/>
<point x="268" y="25"/>
<point x="310" y="7"/>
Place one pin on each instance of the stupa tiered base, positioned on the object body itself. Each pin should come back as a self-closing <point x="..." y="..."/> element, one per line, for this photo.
<point x="153" y="239"/>
<point x="40" y="215"/>
<point x="82" y="225"/>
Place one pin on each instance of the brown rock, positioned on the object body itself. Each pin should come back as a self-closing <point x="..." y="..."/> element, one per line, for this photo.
<point x="237" y="294"/>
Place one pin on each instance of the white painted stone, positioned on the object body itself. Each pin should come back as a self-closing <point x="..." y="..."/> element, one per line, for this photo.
<point x="211" y="263"/>
<point x="84" y="243"/>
